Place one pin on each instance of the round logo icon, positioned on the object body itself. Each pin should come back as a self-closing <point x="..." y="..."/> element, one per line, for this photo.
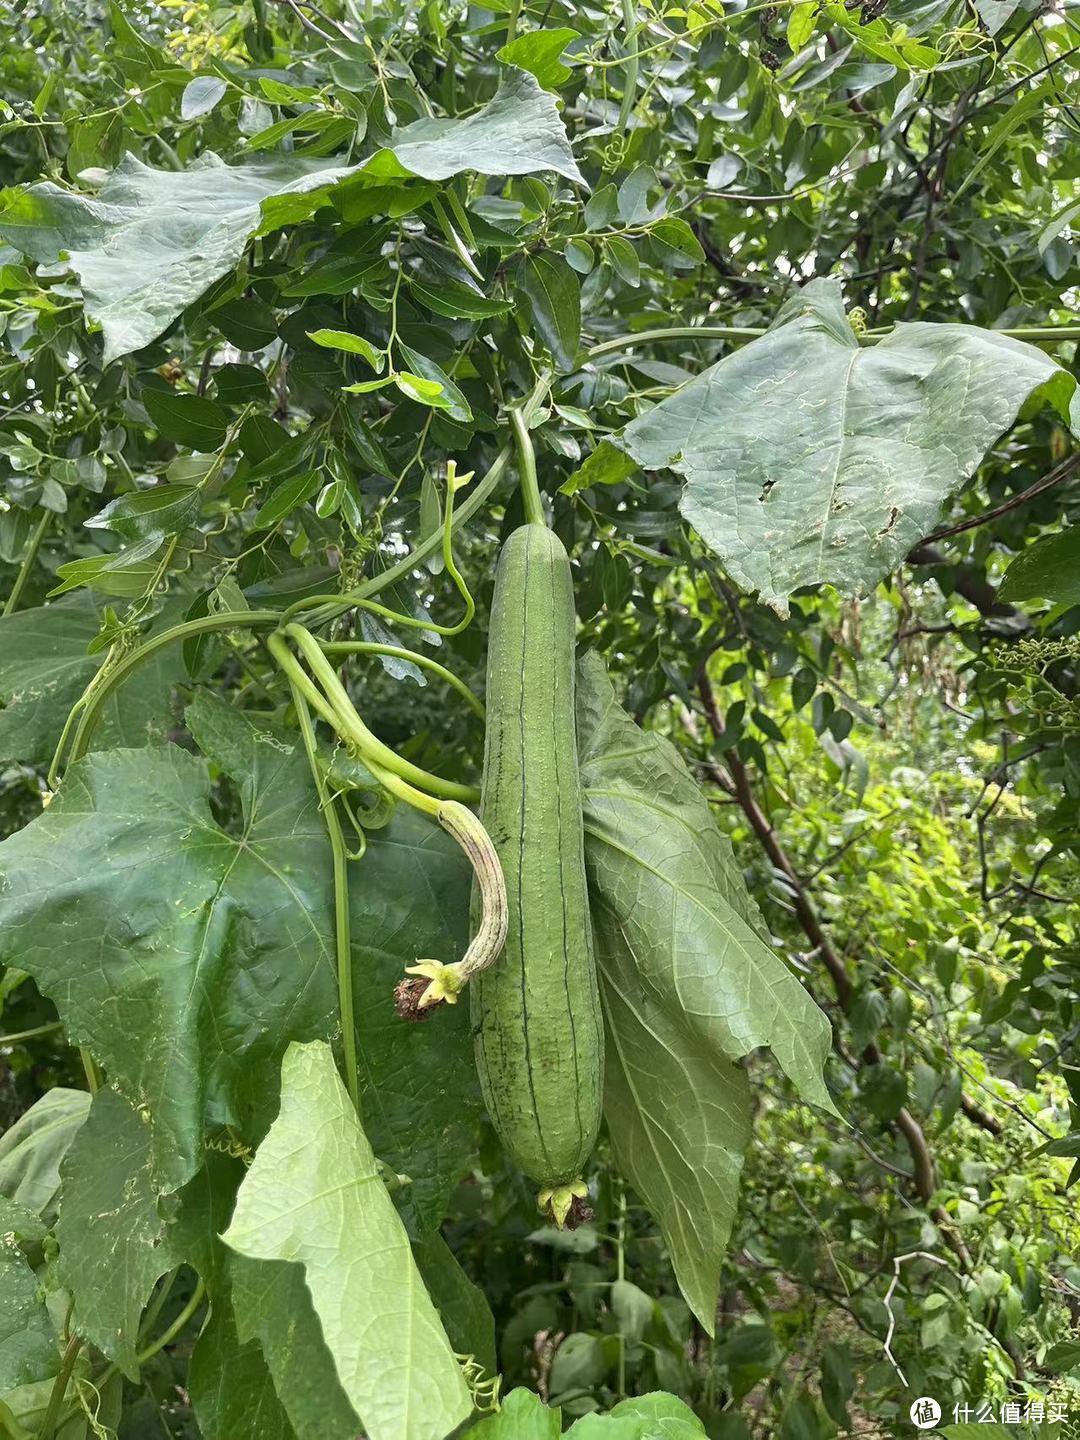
<point x="925" y="1413"/>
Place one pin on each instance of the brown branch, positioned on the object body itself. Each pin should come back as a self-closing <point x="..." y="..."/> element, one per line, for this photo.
<point x="978" y="1116"/>
<point x="905" y="1122"/>
<point x="1062" y="471"/>
<point x="971" y="584"/>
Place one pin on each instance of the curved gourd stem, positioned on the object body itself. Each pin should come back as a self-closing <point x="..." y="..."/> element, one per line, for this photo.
<point x="89" y="706"/>
<point x="435" y="982"/>
<point x="336" y="707"/>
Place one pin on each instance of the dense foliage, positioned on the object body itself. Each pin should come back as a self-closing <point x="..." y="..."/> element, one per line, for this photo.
<point x="777" y="299"/>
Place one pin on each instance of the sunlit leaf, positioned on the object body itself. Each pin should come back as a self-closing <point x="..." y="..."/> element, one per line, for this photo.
<point x="314" y="1196"/>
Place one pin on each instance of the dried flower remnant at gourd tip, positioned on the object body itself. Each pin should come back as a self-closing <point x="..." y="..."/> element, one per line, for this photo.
<point x="435" y="983"/>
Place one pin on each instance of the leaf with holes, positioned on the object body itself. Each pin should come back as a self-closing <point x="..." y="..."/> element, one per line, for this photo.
<point x="811" y="459"/>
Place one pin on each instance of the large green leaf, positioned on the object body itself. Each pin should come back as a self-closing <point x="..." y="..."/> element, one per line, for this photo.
<point x="688" y="984"/>
<point x="31" y="1150"/>
<point x="1047" y="570"/>
<point x="112" y="1232"/>
<point x="183" y="955"/>
<point x="151" y="241"/>
<point x="314" y="1195"/>
<point x="809" y="458"/>
<point x="518" y="132"/>
<point x="44" y="668"/>
<point x="663" y="1417"/>
<point x="422" y="1106"/>
<point x="522" y="1416"/>
<point x="231" y="1379"/>
<point x="462" y="1306"/>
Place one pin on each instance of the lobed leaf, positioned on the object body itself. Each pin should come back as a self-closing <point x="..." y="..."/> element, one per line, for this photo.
<point x="183" y="955"/>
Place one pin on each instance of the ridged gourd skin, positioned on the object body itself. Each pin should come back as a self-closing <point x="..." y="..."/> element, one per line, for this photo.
<point x="536" y="1011"/>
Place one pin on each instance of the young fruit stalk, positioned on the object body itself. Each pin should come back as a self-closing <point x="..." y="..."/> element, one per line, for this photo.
<point x="536" y="1011"/>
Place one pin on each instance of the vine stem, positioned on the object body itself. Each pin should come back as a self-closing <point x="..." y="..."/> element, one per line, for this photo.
<point x="620" y="1274"/>
<point x="172" y="1331"/>
<point x="205" y="625"/>
<point x="398" y="652"/>
<point x="27" y="565"/>
<point x="402" y="790"/>
<point x="339" y="852"/>
<point x="530" y="486"/>
<point x="60" y="1384"/>
<point x="165" y="1338"/>
<point x="18" y="1035"/>
<point x="629" y="20"/>
<point x="336" y="707"/>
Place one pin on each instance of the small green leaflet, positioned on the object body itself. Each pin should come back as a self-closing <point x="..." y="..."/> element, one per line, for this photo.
<point x="286" y="497"/>
<point x="314" y="1195"/>
<point x="675" y="244"/>
<point x="200" y="96"/>
<point x="351" y="344"/>
<point x="800" y="25"/>
<point x="449" y="297"/>
<point x="426" y="375"/>
<point x="126" y="573"/>
<point x="165" y="510"/>
<point x="553" y="291"/>
<point x="249" y="324"/>
<point x="31" y="1150"/>
<point x="606" y="465"/>
<point x="540" y="53"/>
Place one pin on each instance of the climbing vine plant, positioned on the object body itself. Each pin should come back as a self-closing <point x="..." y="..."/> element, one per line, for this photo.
<point x="766" y="312"/>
